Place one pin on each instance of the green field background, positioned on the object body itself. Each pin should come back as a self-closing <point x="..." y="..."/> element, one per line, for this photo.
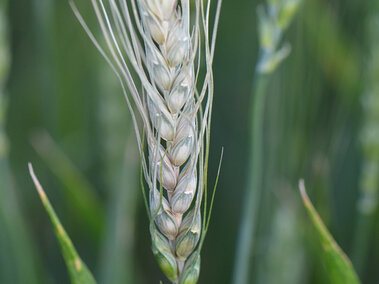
<point x="62" y="109"/>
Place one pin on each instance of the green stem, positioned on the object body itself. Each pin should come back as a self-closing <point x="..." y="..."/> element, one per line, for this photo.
<point x="253" y="184"/>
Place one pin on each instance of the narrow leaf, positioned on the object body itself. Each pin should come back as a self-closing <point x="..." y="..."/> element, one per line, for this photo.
<point x="79" y="273"/>
<point x="339" y="267"/>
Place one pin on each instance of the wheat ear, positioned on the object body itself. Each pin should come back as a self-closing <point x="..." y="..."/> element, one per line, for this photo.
<point x="274" y="19"/>
<point x="161" y="41"/>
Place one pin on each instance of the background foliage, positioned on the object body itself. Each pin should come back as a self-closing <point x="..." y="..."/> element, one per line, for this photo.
<point x="65" y="112"/>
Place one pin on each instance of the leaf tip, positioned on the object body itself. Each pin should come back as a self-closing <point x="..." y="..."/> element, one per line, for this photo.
<point x="37" y="184"/>
<point x="303" y="192"/>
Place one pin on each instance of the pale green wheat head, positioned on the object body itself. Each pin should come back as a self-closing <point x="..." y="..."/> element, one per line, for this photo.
<point x="165" y="42"/>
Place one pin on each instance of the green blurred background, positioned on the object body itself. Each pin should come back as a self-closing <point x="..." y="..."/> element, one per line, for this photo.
<point x="62" y="109"/>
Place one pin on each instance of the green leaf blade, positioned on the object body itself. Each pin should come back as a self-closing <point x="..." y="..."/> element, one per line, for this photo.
<point x="79" y="273"/>
<point x="339" y="267"/>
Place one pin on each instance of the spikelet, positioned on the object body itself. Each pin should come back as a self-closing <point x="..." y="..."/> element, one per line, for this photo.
<point x="160" y="41"/>
<point x="273" y="21"/>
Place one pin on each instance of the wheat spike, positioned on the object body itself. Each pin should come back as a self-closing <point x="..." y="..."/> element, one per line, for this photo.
<point x="161" y="41"/>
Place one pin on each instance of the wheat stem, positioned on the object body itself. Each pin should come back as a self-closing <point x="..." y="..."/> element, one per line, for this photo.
<point x="254" y="184"/>
<point x="273" y="20"/>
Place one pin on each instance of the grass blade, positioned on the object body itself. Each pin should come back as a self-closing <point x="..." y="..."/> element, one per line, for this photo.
<point x="339" y="267"/>
<point x="79" y="273"/>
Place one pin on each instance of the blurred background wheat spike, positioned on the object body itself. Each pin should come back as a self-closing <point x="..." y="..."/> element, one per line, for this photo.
<point x="65" y="100"/>
<point x="274" y="18"/>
